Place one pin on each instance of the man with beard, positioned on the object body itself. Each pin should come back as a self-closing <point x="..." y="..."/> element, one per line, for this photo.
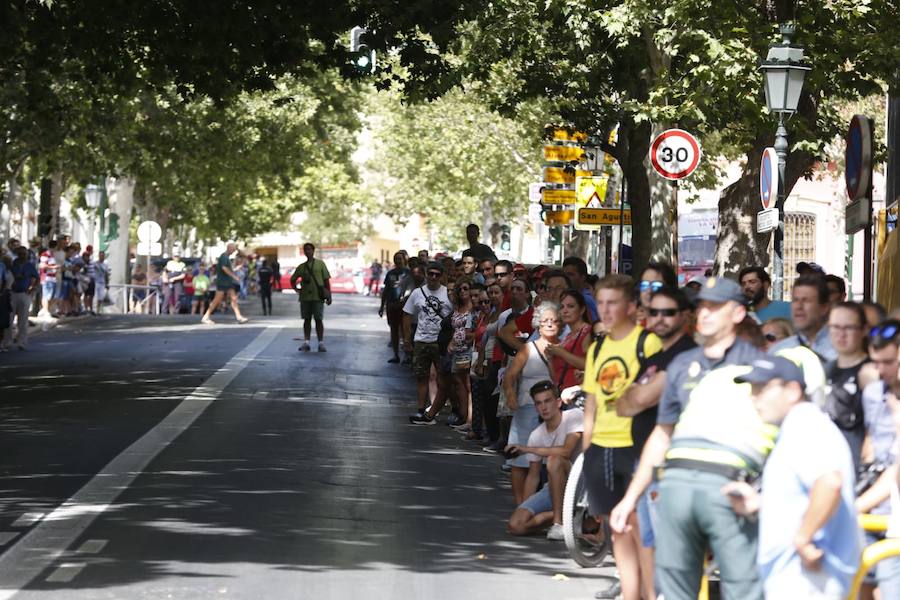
<point x="755" y="284"/>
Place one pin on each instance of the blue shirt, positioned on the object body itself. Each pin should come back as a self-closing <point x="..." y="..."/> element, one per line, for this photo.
<point x="24" y="274"/>
<point x="880" y="429"/>
<point x="821" y="345"/>
<point x="809" y="446"/>
<point x="588" y="294"/>
<point x="777" y="309"/>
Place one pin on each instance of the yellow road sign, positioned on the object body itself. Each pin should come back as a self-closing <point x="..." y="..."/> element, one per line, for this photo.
<point x="595" y="218"/>
<point x="591" y="191"/>
<point x="565" y="135"/>
<point x="563" y="153"/>
<point x="560" y="175"/>
<point x="558" y="196"/>
<point x="561" y="217"/>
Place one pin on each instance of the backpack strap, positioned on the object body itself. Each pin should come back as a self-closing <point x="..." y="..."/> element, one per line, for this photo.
<point x="642" y="339"/>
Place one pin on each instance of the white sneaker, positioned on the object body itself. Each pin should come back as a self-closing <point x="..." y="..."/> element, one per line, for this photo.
<point x="555" y="533"/>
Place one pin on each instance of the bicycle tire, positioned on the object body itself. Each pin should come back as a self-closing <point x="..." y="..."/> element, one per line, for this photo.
<point x="575" y="508"/>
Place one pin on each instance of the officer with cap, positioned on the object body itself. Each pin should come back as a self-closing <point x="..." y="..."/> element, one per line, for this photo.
<point x="707" y="434"/>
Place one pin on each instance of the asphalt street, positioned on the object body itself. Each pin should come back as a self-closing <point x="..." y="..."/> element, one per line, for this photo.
<point x="154" y="457"/>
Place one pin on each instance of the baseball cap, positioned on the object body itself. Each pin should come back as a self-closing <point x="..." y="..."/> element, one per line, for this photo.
<point x="766" y="369"/>
<point x="436" y="265"/>
<point x="720" y="289"/>
<point x="803" y="267"/>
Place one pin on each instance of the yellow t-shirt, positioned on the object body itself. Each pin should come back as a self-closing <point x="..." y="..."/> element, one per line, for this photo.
<point x="607" y="378"/>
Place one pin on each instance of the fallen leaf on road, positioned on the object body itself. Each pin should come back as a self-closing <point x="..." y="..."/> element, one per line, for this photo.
<point x="560" y="577"/>
<point x="482" y="556"/>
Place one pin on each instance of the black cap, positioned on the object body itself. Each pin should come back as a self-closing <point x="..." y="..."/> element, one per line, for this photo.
<point x="773" y="367"/>
<point x="809" y="267"/>
<point x="436" y="265"/>
<point x="720" y="289"/>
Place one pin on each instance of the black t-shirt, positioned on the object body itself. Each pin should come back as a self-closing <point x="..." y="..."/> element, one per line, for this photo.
<point x="391" y="288"/>
<point x="265" y="276"/>
<point x="480" y="252"/>
<point x="642" y="424"/>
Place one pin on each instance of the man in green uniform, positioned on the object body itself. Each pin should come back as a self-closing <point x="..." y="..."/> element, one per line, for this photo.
<point x="315" y="292"/>
<point x="707" y="434"/>
<point x="225" y="280"/>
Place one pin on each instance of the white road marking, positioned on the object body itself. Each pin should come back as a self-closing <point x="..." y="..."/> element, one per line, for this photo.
<point x="44" y="544"/>
<point x="92" y="546"/>
<point x="66" y="572"/>
<point x="28" y="519"/>
<point x="7" y="536"/>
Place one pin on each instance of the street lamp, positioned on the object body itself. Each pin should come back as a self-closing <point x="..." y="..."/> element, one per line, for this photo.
<point x="784" y="71"/>
<point x="92" y="194"/>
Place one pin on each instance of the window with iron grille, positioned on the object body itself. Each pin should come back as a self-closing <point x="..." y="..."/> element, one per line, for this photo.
<point x="799" y="245"/>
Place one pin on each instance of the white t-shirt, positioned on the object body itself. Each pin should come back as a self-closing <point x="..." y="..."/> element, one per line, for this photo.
<point x="572" y="422"/>
<point x="430" y="306"/>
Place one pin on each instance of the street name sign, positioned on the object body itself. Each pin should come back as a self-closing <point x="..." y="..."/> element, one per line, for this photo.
<point x="558" y="196"/>
<point x="767" y="220"/>
<point x="556" y="153"/>
<point x="675" y="154"/>
<point x="587" y="219"/>
<point x="558" y="217"/>
<point x="560" y="175"/>
<point x="856" y="216"/>
<point x="858" y="157"/>
<point x="768" y="178"/>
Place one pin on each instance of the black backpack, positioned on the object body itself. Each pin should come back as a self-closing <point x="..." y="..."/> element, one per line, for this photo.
<point x="642" y="338"/>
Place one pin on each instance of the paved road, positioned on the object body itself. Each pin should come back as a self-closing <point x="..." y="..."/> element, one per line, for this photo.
<point x="157" y="458"/>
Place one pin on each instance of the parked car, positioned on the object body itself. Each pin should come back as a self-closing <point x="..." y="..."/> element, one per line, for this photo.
<point x="344" y="283"/>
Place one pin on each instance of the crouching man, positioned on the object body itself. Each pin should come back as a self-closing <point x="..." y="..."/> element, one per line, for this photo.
<point x="550" y="449"/>
<point x="809" y="541"/>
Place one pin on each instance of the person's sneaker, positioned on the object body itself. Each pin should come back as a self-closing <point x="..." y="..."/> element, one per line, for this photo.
<point x="454" y="420"/>
<point x="555" y="533"/>
<point x="506" y="468"/>
<point x="322" y="348"/>
<point x="462" y="428"/>
<point x="610" y="593"/>
<point x="207" y="321"/>
<point x="394" y="360"/>
<point x="422" y="420"/>
<point x="304" y="348"/>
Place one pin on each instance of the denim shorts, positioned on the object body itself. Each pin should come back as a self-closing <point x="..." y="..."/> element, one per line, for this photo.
<point x="48" y="288"/>
<point x="539" y="502"/>
<point x="646" y="515"/>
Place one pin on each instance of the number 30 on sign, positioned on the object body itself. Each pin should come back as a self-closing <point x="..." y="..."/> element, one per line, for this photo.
<point x="675" y="154"/>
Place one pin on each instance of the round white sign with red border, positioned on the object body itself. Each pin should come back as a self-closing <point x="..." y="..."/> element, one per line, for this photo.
<point x="675" y="154"/>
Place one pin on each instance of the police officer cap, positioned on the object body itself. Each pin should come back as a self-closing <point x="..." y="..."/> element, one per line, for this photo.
<point x="720" y="289"/>
<point x="773" y="367"/>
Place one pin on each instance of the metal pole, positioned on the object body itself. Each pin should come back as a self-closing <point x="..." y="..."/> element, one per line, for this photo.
<point x="781" y="149"/>
<point x="675" y="228"/>
<point x="621" y="223"/>
<point x="868" y="236"/>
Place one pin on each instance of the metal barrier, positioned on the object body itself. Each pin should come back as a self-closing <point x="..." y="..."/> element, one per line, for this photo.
<point x="122" y="296"/>
<point x="875" y="553"/>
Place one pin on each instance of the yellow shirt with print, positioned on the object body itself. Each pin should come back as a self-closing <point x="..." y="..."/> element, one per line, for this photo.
<point x="607" y="378"/>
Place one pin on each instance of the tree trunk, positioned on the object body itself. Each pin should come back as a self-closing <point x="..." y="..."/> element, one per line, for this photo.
<point x="57" y="222"/>
<point x="638" y="194"/>
<point x="121" y="202"/>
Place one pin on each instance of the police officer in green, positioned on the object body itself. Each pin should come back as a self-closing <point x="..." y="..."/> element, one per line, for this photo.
<point x="707" y="434"/>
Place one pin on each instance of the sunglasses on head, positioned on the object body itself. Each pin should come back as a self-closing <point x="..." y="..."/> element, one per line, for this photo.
<point x="652" y="286"/>
<point x="666" y="312"/>
<point x="885" y="330"/>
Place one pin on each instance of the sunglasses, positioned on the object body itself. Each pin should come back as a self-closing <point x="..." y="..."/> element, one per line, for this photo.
<point x="463" y="288"/>
<point x="771" y="337"/>
<point x="434" y="274"/>
<point x="666" y="312"/>
<point x="501" y="273"/>
<point x="542" y="386"/>
<point x="885" y="331"/>
<point x="653" y="286"/>
<point x="484" y="302"/>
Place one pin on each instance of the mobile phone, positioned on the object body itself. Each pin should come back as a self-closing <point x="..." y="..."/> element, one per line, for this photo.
<point x="511" y="453"/>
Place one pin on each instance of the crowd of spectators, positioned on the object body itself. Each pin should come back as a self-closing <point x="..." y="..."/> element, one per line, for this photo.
<point x="713" y="418"/>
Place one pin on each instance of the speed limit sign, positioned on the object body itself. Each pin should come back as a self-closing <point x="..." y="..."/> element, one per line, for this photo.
<point x="675" y="154"/>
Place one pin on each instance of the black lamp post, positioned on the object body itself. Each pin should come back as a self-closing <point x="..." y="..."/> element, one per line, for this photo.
<point x="784" y="70"/>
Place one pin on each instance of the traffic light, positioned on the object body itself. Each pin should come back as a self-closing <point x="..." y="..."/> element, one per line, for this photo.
<point x="504" y="238"/>
<point x="555" y="236"/>
<point x="361" y="53"/>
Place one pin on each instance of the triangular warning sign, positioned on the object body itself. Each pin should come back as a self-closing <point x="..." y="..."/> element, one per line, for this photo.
<point x="594" y="202"/>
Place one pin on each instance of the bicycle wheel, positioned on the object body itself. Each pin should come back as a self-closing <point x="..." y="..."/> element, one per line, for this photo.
<point x="587" y="552"/>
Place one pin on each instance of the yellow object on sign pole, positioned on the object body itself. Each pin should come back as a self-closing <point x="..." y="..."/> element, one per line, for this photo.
<point x="565" y="135"/>
<point x="558" y="196"/>
<point x="591" y="191"/>
<point x="558" y="217"/>
<point x="563" y="153"/>
<point x="560" y="175"/>
<point x="595" y="218"/>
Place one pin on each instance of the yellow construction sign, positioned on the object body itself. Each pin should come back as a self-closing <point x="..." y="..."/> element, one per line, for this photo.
<point x="591" y="191"/>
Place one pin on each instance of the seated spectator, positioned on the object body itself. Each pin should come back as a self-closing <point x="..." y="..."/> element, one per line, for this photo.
<point x="552" y="444"/>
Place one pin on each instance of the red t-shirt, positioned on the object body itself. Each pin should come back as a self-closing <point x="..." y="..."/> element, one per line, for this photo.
<point x="574" y="343"/>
